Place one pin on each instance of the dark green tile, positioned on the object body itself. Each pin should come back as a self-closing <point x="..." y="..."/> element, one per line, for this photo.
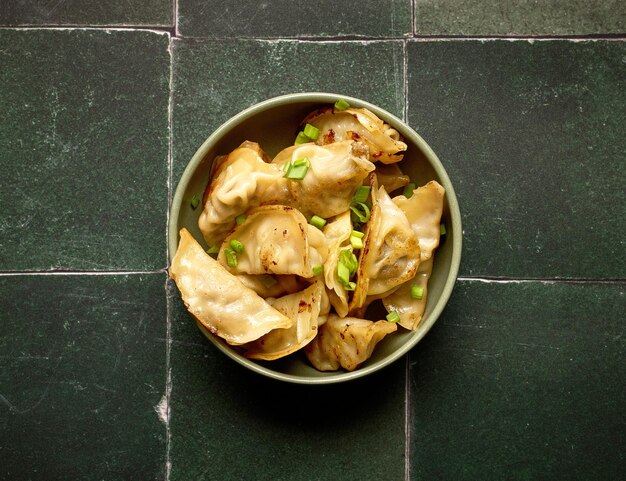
<point x="285" y="18"/>
<point x="82" y="367"/>
<point x="494" y="17"/>
<point x="87" y="12"/>
<point x="229" y="423"/>
<point x="522" y="381"/>
<point x="84" y="142"/>
<point x="533" y="136"/>
<point x="215" y="79"/>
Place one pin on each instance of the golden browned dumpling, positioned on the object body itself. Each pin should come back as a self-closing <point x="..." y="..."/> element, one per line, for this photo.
<point x="217" y="299"/>
<point x="346" y="342"/>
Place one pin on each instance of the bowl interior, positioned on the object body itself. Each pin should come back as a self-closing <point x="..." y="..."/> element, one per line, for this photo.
<point x="274" y="124"/>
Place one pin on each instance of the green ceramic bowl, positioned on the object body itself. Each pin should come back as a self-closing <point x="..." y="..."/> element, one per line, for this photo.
<point x="273" y="123"/>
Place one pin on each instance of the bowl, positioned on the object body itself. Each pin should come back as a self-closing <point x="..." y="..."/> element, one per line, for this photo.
<point x="274" y="123"/>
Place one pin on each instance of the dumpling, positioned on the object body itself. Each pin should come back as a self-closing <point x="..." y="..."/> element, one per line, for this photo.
<point x="275" y="240"/>
<point x="423" y="210"/>
<point x="217" y="299"/>
<point x="304" y="309"/>
<point x="361" y="125"/>
<point x="411" y="310"/>
<point x="391" y="252"/>
<point x="337" y="233"/>
<point x="335" y="173"/>
<point x="346" y="342"/>
<point x="391" y="177"/>
<point x="241" y="180"/>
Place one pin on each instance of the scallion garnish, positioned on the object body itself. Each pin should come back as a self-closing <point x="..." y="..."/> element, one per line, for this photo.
<point x="343" y="273"/>
<point x="301" y="139"/>
<point x="231" y="257"/>
<point x="214" y="249"/>
<point x="442" y="229"/>
<point x="358" y="234"/>
<point x="408" y="190"/>
<point x="236" y="246"/>
<point x="318" y="270"/>
<point x="393" y="316"/>
<point x="356" y="242"/>
<point x="301" y="161"/>
<point x="311" y="131"/>
<point x="317" y="221"/>
<point x="348" y="258"/>
<point x="296" y="172"/>
<point x="341" y="104"/>
<point x="417" y="292"/>
<point x="240" y="219"/>
<point x="362" y="193"/>
<point x="195" y="202"/>
<point x="350" y="286"/>
<point x="361" y="211"/>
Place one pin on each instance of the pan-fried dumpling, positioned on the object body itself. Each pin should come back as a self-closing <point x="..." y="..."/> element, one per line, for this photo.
<point x="217" y="299"/>
<point x="239" y="181"/>
<point x="361" y="125"/>
<point x="391" y="177"/>
<point x="304" y="309"/>
<point x="336" y="171"/>
<point x="411" y="310"/>
<point x="423" y="209"/>
<point x="337" y="233"/>
<point x="346" y="342"/>
<point x="391" y="252"/>
<point x="275" y="240"/>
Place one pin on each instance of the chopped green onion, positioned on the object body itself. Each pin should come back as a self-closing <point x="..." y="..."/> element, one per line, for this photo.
<point x="311" y="131"/>
<point x="301" y="139"/>
<point x="357" y="242"/>
<point x="357" y="233"/>
<point x="268" y="281"/>
<point x="231" y="257"/>
<point x="362" y="193"/>
<point x="343" y="273"/>
<point x="348" y="259"/>
<point x="317" y="221"/>
<point x="236" y="246"/>
<point x="240" y="219"/>
<point x="361" y="211"/>
<point x="442" y="229"/>
<point x="341" y="104"/>
<point x="214" y="249"/>
<point x="408" y="190"/>
<point x="301" y="161"/>
<point x="318" y="270"/>
<point x="296" y="172"/>
<point x="350" y="286"/>
<point x="195" y="202"/>
<point x="393" y="316"/>
<point x="417" y="292"/>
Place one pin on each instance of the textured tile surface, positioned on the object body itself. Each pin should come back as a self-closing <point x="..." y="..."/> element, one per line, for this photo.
<point x="87" y="12"/>
<point x="215" y="79"/>
<point x="285" y="18"/>
<point x="82" y="367"/>
<point x="533" y="137"/>
<point x="525" y="17"/>
<point x="520" y="382"/>
<point x="228" y="423"/>
<point x="84" y="142"/>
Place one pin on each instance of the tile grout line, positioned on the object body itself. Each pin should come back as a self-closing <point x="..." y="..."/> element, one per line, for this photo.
<point x="168" y="317"/>
<point x="80" y="273"/>
<point x="407" y="418"/>
<point x="413" y="19"/>
<point x="505" y="280"/>
<point x="405" y="58"/>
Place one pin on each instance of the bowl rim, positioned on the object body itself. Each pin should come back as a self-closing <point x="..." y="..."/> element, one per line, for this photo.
<point x="406" y="131"/>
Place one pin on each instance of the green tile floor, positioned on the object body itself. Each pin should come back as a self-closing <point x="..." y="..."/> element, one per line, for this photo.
<point x="103" y="375"/>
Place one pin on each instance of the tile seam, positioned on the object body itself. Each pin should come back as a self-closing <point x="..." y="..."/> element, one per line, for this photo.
<point x="170" y="148"/>
<point x="114" y="28"/>
<point x="366" y="39"/>
<point x="168" y="383"/>
<point x="413" y="19"/>
<point x="81" y="273"/>
<point x="505" y="280"/>
<point x="407" y="418"/>
<point x="405" y="74"/>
